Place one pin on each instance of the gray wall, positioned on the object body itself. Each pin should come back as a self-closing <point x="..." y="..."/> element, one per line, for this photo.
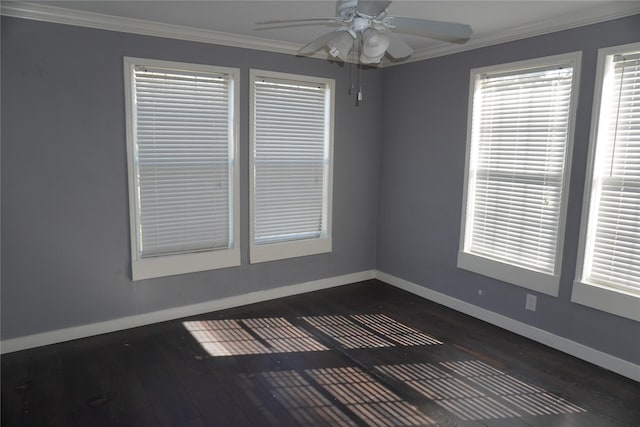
<point x="423" y="156"/>
<point x="398" y="182"/>
<point x="65" y="225"/>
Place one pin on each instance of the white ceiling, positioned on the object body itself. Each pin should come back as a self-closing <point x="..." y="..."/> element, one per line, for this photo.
<point x="492" y="21"/>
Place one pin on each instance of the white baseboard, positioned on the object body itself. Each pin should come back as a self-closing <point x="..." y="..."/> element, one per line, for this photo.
<point x="83" y="331"/>
<point x="612" y="363"/>
<point x="604" y="360"/>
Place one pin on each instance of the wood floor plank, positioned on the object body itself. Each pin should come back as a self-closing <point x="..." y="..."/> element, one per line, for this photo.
<point x="166" y="394"/>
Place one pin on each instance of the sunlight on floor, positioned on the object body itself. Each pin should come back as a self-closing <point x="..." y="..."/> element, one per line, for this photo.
<point x="367" y="398"/>
<point x="306" y="404"/>
<point x="464" y="390"/>
<point x="251" y="336"/>
<point x="347" y="396"/>
<point x="345" y="332"/>
<point x="234" y="337"/>
<point x="368" y="331"/>
<point x="394" y="330"/>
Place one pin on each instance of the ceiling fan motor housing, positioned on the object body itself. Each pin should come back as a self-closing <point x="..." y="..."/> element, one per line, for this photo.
<point x="346" y="9"/>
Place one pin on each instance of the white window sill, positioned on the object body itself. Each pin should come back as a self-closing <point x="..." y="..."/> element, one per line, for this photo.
<point x="607" y="299"/>
<point x="533" y="280"/>
<point x="292" y="249"/>
<point x="170" y="265"/>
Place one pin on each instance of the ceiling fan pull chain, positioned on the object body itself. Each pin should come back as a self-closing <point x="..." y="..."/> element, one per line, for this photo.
<point x="350" y="65"/>
<point x="358" y="70"/>
<point x="350" y="81"/>
<point x="359" y="94"/>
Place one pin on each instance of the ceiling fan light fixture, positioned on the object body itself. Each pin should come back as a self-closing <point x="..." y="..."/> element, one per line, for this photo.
<point x="340" y="45"/>
<point x="374" y="45"/>
<point x="368" y="32"/>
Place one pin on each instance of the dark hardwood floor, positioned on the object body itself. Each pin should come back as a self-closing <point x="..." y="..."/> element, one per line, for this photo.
<point x="364" y="354"/>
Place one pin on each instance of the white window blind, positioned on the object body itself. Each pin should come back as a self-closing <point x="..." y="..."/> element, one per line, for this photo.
<point x="183" y="139"/>
<point x="612" y="256"/>
<point x="291" y="159"/>
<point x="519" y="141"/>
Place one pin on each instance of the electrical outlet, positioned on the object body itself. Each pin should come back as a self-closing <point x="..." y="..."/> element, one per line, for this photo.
<point x="531" y="302"/>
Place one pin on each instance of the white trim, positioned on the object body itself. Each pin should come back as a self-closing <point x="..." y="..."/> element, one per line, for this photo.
<point x="607" y="299"/>
<point x="41" y="12"/>
<point x="161" y="266"/>
<point x="581" y="351"/>
<point x="59" y="15"/>
<point x="612" y="363"/>
<point x="293" y="248"/>
<point x="535" y="280"/>
<point x="83" y="331"/>
<point x="588" y="294"/>
<point x="592" y="15"/>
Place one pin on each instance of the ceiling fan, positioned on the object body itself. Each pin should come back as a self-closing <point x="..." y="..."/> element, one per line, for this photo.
<point x="366" y="32"/>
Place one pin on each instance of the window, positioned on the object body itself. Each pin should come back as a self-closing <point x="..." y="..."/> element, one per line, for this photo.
<point x="608" y="276"/>
<point x="183" y="179"/>
<point x="291" y="165"/>
<point x="518" y="154"/>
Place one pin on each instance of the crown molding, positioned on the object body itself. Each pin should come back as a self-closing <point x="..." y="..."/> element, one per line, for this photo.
<point x="40" y="12"/>
<point x="58" y="15"/>
<point x="592" y="15"/>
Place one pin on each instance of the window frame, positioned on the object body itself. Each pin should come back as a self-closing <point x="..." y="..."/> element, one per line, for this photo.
<point x="265" y="252"/>
<point x="174" y="264"/>
<point x="601" y="297"/>
<point x="527" y="278"/>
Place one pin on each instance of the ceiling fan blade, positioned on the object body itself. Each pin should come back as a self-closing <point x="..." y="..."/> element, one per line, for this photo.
<point x="371" y="7"/>
<point x="398" y="48"/>
<point x="317" y="44"/>
<point x="291" y="21"/>
<point x="299" y="24"/>
<point x="439" y="30"/>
